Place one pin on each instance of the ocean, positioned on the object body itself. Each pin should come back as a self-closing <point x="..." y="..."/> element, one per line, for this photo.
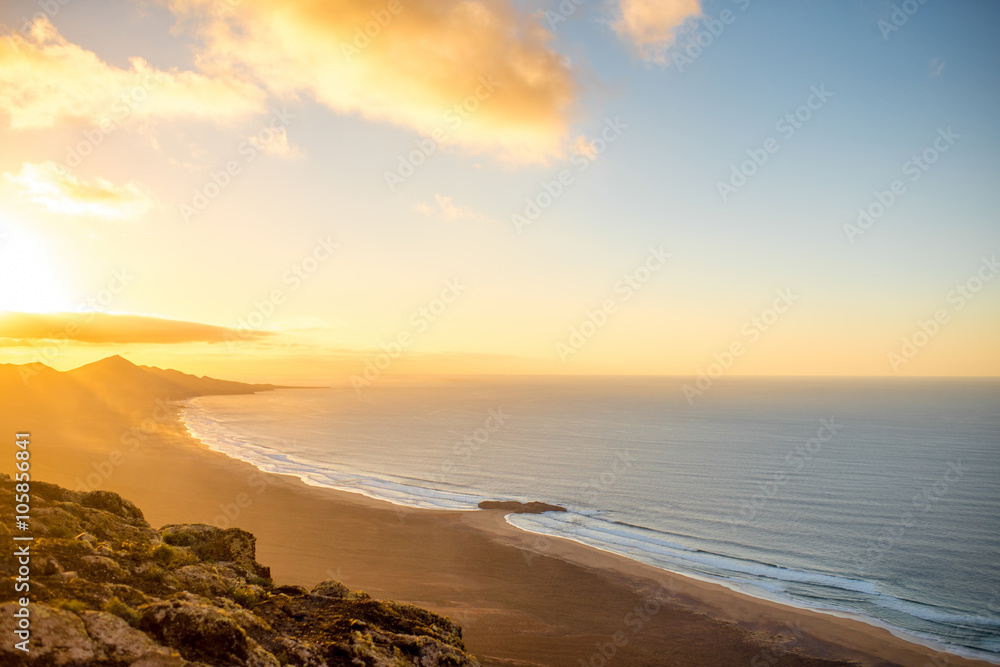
<point x="877" y="498"/>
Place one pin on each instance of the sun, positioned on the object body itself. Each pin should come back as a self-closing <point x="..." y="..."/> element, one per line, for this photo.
<point x="30" y="278"/>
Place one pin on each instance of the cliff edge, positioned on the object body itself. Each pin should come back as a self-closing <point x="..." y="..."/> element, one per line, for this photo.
<point x="106" y="589"/>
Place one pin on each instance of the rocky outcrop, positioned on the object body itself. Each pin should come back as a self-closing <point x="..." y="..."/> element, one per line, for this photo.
<point x="109" y="590"/>
<point x="534" y="507"/>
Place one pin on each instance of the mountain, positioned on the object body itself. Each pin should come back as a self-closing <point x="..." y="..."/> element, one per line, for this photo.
<point x="200" y="386"/>
<point x="110" y="383"/>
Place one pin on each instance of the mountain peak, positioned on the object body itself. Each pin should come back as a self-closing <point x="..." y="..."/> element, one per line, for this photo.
<point x="115" y="361"/>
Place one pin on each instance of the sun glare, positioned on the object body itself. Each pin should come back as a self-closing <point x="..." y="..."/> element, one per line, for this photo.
<point x="30" y="279"/>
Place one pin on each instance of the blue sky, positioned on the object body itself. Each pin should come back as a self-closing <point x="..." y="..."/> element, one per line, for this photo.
<point x="686" y="124"/>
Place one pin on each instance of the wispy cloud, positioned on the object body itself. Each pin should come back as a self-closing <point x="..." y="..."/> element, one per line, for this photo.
<point x="447" y="210"/>
<point x="46" y="81"/>
<point x="584" y="146"/>
<point x="59" y="191"/>
<point x="93" y="327"/>
<point x="651" y="25"/>
<point x="936" y="66"/>
<point x="276" y="144"/>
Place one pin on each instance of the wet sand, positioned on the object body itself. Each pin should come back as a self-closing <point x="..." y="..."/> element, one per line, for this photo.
<point x="522" y="599"/>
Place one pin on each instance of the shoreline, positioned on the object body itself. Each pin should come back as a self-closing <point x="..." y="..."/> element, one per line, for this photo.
<point x="899" y="633"/>
<point x="503" y="529"/>
<point x="523" y="599"/>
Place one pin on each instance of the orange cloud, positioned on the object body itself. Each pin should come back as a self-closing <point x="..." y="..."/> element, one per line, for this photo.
<point x="480" y="72"/>
<point x="95" y="327"/>
<point x="56" y="189"/>
<point x="651" y="25"/>
<point x="45" y="80"/>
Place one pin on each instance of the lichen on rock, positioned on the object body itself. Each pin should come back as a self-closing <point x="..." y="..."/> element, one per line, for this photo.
<point x="109" y="590"/>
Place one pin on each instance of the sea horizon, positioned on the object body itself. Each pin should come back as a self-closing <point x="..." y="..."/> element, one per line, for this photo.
<point x="720" y="541"/>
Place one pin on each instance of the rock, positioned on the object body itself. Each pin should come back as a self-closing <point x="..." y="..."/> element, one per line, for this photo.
<point x="112" y="502"/>
<point x="116" y="641"/>
<point x="331" y="589"/>
<point x="57" y="637"/>
<point x="201" y="579"/>
<point x="534" y="507"/>
<point x="200" y="631"/>
<point x="47" y="566"/>
<point x="121" y="593"/>
<point x="231" y="545"/>
<point x="102" y="568"/>
<point x="353" y="630"/>
<point x="160" y="660"/>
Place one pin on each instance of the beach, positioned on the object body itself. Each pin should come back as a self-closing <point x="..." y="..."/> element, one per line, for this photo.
<point x="522" y="599"/>
<point x="487" y="332"/>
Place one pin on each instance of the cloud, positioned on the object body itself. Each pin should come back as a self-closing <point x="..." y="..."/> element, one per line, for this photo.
<point x="936" y="66"/>
<point x="94" y="327"/>
<point x="46" y="81"/>
<point x="448" y="211"/>
<point x="56" y="189"/>
<point x="584" y="146"/>
<point x="479" y="72"/>
<point x="651" y="25"/>
<point x="275" y="142"/>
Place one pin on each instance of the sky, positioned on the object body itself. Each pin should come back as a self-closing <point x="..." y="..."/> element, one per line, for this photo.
<point x="355" y="190"/>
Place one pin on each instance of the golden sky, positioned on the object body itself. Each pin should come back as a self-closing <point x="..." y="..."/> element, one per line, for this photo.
<point x="314" y="191"/>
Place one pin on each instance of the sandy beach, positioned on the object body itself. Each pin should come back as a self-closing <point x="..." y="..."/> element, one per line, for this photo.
<point x="709" y="286"/>
<point x="522" y="599"/>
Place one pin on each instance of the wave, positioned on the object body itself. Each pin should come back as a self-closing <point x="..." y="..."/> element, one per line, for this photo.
<point x="935" y="614"/>
<point x="962" y="634"/>
<point x="617" y="536"/>
<point x="411" y="492"/>
<point x="812" y="589"/>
